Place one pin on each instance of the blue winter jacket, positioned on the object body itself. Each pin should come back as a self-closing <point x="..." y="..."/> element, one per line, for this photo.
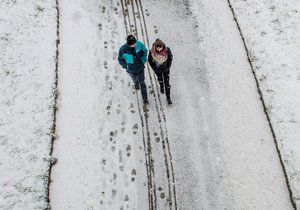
<point x="133" y="59"/>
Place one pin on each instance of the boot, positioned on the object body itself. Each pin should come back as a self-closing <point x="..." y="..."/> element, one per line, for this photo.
<point x="169" y="101"/>
<point x="162" y="89"/>
<point x="168" y="95"/>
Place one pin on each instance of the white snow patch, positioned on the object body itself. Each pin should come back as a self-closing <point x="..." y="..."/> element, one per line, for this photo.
<point x="27" y="75"/>
<point x="272" y="34"/>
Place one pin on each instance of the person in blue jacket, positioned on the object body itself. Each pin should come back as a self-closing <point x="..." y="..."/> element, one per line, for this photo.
<point x="132" y="57"/>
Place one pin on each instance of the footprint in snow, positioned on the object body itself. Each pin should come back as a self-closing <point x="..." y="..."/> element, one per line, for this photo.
<point x="112" y="135"/>
<point x="110" y="85"/>
<point x="147" y="12"/>
<point x="120" y="156"/>
<point x="123" y="124"/>
<point x="100" y="26"/>
<point x="157" y="139"/>
<point x="124" y="120"/>
<point x="114" y="176"/>
<point x="105" y="44"/>
<point x="126" y="12"/>
<point x="128" y="150"/>
<point x="109" y="105"/>
<point x="135" y="128"/>
<point x="133" y="173"/>
<point x="103" y="164"/>
<point x="123" y="129"/>
<point x="155" y="29"/>
<point x="102" y="196"/>
<point x="126" y="198"/>
<point x="105" y="64"/>
<point x="113" y="148"/>
<point x="131" y="107"/>
<point x="114" y="193"/>
<point x="108" y="109"/>
<point x="103" y="9"/>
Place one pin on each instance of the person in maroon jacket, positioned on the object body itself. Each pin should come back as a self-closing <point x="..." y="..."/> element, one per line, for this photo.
<point x="160" y="60"/>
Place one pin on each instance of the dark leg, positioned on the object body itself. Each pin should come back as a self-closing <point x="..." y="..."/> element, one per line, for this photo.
<point x="135" y="81"/>
<point x="141" y="81"/>
<point x="166" y="76"/>
<point x="160" y="81"/>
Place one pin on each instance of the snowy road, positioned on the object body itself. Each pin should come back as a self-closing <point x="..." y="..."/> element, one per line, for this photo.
<point x="211" y="150"/>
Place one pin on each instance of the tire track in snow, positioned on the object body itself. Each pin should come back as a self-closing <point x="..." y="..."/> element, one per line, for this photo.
<point x="125" y="22"/>
<point x="145" y="130"/>
<point x="159" y="109"/>
<point x="264" y="106"/>
<point x="167" y="150"/>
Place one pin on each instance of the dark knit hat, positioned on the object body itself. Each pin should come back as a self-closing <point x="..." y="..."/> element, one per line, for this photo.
<point x="131" y="39"/>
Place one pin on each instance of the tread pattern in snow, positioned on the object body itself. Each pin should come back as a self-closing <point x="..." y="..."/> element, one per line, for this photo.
<point x="138" y="13"/>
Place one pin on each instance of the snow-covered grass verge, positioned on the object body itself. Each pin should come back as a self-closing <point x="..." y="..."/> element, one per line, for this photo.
<point x="27" y="76"/>
<point x="272" y="34"/>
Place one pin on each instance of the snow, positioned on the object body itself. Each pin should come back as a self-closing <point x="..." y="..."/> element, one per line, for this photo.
<point x="272" y="33"/>
<point x="212" y="149"/>
<point x="223" y="156"/>
<point x="99" y="146"/>
<point x="27" y="73"/>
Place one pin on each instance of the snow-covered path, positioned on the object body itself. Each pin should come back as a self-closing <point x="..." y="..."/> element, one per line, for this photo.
<point x="114" y="155"/>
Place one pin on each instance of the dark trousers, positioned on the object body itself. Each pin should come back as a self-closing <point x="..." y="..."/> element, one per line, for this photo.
<point x="163" y="80"/>
<point x="140" y="79"/>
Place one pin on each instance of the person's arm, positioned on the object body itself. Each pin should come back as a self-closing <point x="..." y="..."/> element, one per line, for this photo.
<point x="151" y="62"/>
<point x="121" y="59"/>
<point x="170" y="58"/>
<point x="145" y="53"/>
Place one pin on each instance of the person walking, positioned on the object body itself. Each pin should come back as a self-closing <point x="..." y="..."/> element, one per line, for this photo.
<point x="160" y="59"/>
<point x="132" y="57"/>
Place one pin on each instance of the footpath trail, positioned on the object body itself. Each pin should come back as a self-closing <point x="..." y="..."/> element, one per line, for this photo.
<point x="222" y="147"/>
<point x="212" y="149"/>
